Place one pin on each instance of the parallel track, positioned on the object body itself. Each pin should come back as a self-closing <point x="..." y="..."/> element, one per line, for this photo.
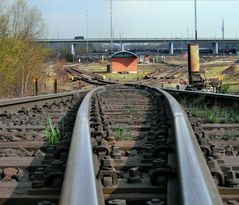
<point x="31" y="168"/>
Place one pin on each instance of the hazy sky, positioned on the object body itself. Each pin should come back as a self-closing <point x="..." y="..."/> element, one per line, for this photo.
<point x="139" y="18"/>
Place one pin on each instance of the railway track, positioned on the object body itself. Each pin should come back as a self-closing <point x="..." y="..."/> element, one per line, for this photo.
<point x="97" y="80"/>
<point x="32" y="166"/>
<point x="86" y="76"/>
<point x="134" y="145"/>
<point x="130" y="145"/>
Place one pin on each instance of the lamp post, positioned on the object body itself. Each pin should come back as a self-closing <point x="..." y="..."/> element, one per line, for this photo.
<point x="223" y="36"/>
<point x="195" y="19"/>
<point x="87" y="48"/>
<point x="111" y="27"/>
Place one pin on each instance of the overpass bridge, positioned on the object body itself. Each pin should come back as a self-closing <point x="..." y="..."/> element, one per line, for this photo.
<point x="169" y="44"/>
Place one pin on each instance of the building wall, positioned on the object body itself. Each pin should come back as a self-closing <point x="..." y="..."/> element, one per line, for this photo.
<point x="124" y="65"/>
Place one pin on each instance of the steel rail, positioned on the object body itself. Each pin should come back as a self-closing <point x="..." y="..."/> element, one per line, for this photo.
<point x="217" y="96"/>
<point x="89" y="79"/>
<point x="79" y="186"/>
<point x="197" y="185"/>
<point x="22" y="100"/>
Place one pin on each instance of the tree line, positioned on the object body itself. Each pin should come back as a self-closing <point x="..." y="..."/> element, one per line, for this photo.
<point x="21" y="59"/>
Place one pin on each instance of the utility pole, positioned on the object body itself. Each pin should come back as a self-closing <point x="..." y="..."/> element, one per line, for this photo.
<point x="87" y="46"/>
<point x="111" y="27"/>
<point x="195" y="18"/>
<point x="223" y="32"/>
<point x="222" y="28"/>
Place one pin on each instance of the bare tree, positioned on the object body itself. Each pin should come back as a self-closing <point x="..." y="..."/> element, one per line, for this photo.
<point x="25" y="22"/>
<point x="3" y="19"/>
<point x="2" y="5"/>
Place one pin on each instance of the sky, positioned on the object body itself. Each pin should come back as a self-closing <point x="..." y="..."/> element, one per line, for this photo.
<point x="139" y="18"/>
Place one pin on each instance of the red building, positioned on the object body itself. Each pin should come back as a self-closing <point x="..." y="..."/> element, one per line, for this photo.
<point x="124" y="61"/>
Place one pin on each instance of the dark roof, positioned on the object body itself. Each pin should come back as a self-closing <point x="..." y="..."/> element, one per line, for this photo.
<point x="123" y="54"/>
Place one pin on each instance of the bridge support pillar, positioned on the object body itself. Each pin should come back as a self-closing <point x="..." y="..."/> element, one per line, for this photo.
<point x="215" y="48"/>
<point x="122" y="46"/>
<point x="171" y="48"/>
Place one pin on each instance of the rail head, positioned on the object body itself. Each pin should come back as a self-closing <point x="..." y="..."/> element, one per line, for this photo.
<point x="197" y="184"/>
<point x="79" y="186"/>
<point x="218" y="96"/>
<point x="16" y="104"/>
<point x="21" y="100"/>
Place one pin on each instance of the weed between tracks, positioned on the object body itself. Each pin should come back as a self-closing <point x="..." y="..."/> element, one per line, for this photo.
<point x="52" y="133"/>
<point x="121" y="134"/>
<point x="230" y="135"/>
<point x="211" y="114"/>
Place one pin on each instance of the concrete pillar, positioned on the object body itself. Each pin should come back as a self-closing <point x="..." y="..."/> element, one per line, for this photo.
<point x="215" y="48"/>
<point x="171" y="48"/>
<point x="122" y="46"/>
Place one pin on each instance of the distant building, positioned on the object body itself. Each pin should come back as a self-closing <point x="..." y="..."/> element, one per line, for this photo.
<point x="144" y="58"/>
<point x="124" y="62"/>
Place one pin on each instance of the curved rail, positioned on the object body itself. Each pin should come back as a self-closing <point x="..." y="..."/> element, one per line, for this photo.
<point x="197" y="185"/>
<point x="79" y="185"/>
<point x="39" y="98"/>
<point x="217" y="98"/>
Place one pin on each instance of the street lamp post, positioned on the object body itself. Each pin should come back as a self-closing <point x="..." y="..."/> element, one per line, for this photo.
<point x="223" y="29"/>
<point x="111" y="27"/>
<point x="195" y="18"/>
<point x="87" y="46"/>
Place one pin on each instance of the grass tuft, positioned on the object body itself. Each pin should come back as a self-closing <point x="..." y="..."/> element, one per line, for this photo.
<point x="211" y="114"/>
<point x="52" y="133"/>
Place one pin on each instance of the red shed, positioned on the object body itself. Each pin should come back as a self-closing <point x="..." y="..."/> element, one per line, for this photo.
<point x="124" y="61"/>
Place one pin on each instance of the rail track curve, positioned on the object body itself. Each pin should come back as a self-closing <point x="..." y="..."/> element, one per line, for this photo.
<point x="96" y="170"/>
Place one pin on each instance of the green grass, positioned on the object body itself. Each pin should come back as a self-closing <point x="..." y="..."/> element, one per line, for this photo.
<point x="119" y="134"/>
<point x="142" y="71"/>
<point x="211" y="114"/>
<point x="229" y="135"/>
<point x="147" y="68"/>
<point x="215" y="115"/>
<point x="122" y="77"/>
<point x="52" y="133"/>
<point x="95" y="67"/>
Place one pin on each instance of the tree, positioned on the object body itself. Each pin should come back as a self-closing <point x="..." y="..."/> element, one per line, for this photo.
<point x="24" y="22"/>
<point x="20" y="57"/>
<point x="3" y="19"/>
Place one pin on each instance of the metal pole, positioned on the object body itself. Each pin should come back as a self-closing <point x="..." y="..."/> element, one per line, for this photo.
<point x="55" y="86"/>
<point x="111" y="27"/>
<point x="87" y="48"/>
<point x="35" y="86"/>
<point x="222" y="35"/>
<point x="195" y="18"/>
<point x="222" y="28"/>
